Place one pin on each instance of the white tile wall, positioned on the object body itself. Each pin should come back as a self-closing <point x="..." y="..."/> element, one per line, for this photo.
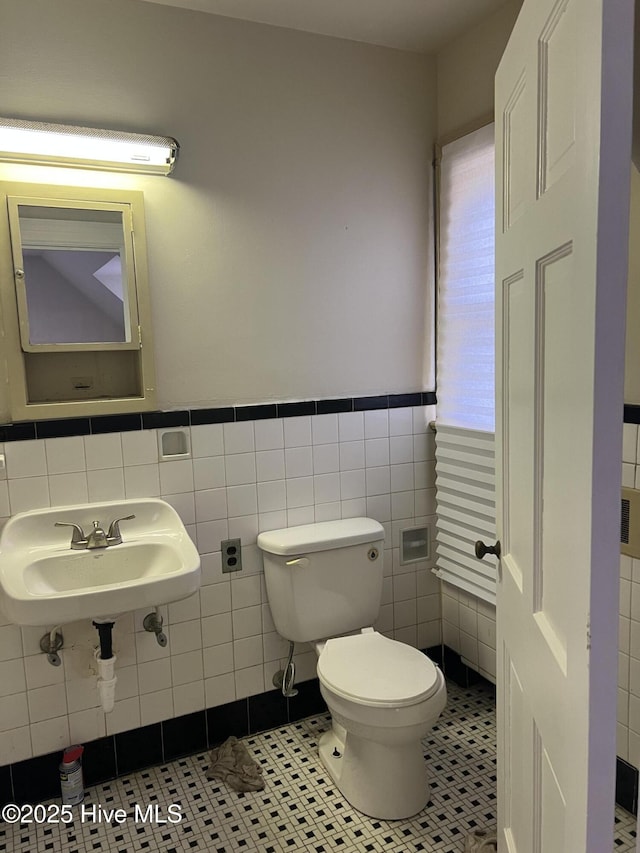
<point x="628" y="731"/>
<point x="244" y="477"/>
<point x="469" y="628"/>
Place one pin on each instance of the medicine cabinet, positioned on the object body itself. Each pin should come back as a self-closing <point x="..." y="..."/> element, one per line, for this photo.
<point x="75" y="304"/>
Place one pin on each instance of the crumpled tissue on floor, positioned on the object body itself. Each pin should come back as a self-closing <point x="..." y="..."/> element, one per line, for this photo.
<point x="481" y="841"/>
<point x="232" y="764"/>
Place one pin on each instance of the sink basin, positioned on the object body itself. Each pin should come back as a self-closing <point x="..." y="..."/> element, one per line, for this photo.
<point x="43" y="582"/>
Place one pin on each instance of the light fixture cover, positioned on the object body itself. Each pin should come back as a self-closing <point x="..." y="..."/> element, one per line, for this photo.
<point x="86" y="147"/>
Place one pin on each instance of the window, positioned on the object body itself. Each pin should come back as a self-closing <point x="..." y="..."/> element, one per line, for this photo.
<point x="465" y="420"/>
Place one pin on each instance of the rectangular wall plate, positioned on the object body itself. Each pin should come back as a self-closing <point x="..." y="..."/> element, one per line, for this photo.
<point x="231" y="555"/>
<point x="174" y="443"/>
<point x="630" y="522"/>
<point x="415" y="544"/>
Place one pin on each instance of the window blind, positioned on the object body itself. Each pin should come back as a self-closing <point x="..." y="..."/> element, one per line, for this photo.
<point x="465" y="509"/>
<point x="465" y="419"/>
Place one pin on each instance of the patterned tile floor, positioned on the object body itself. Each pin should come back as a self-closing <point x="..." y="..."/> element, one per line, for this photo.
<point x="625" y="832"/>
<point x="299" y="809"/>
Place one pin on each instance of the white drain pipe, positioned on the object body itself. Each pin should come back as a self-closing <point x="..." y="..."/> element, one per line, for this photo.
<point x="106" y="681"/>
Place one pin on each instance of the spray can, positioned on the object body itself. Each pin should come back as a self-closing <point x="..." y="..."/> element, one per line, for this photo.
<point x="71" y="781"/>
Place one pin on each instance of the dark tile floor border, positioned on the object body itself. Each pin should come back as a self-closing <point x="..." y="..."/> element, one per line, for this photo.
<point x="457" y="671"/>
<point x="101" y="424"/>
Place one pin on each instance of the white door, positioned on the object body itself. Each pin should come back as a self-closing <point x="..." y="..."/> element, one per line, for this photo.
<point x="563" y="148"/>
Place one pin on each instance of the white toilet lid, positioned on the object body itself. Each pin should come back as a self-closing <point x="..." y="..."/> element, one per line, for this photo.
<point x="371" y="669"/>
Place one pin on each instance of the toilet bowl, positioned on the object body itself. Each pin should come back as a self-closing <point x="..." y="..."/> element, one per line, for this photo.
<point x="384" y="697"/>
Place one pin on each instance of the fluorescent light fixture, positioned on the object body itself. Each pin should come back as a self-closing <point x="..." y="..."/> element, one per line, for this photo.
<point x="85" y="147"/>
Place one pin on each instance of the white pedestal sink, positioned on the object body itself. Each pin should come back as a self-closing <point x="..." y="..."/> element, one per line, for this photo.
<point x="44" y="582"/>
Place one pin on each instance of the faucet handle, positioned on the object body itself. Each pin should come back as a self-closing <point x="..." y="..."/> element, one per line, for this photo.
<point x="77" y="537"/>
<point x="114" y="529"/>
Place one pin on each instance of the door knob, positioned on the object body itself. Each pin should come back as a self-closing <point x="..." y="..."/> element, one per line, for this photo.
<point x="482" y="549"/>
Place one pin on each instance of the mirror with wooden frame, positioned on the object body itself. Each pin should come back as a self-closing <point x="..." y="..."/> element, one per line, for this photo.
<point x="75" y="302"/>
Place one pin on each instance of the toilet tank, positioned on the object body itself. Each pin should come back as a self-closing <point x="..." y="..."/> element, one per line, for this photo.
<point x="323" y="579"/>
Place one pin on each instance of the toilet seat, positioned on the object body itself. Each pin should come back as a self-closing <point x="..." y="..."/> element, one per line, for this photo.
<point x="370" y="669"/>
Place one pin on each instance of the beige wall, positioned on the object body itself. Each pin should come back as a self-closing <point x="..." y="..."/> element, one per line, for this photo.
<point x="466" y="69"/>
<point x="290" y="252"/>
<point x="632" y="350"/>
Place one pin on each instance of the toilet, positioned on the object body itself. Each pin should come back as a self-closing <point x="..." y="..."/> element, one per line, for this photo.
<point x="324" y="585"/>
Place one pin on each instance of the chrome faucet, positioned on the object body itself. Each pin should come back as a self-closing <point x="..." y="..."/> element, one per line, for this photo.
<point x="97" y="538"/>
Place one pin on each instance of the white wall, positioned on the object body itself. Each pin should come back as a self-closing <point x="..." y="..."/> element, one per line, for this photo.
<point x="290" y="252"/>
<point x="632" y="348"/>
<point x="466" y="69"/>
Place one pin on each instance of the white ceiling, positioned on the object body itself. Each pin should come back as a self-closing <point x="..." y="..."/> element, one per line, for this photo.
<point x="417" y="25"/>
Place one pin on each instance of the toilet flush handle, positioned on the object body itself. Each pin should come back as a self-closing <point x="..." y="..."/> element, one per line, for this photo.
<point x="298" y="561"/>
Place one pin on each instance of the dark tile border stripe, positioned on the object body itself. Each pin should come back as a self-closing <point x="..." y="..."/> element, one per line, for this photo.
<point x="363" y="404"/>
<point x="330" y="407"/>
<point x="225" y="415"/>
<point x="115" y="423"/>
<point x="626" y="786"/>
<point x="297" y="410"/>
<point x="6" y="785"/>
<point x="396" y="401"/>
<point x="157" y="420"/>
<point x="184" y="735"/>
<point x="256" y="413"/>
<point x="435" y="653"/>
<point x="37" y="779"/>
<point x="457" y="671"/>
<point x="18" y="431"/>
<point x="63" y="427"/>
<point x="101" y="424"/>
<point x="631" y="414"/>
<point x="138" y="748"/>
